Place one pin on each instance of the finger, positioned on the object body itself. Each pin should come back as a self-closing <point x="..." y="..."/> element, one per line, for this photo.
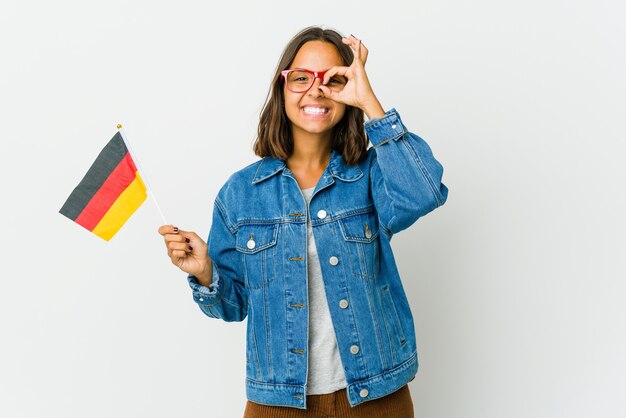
<point x="363" y="51"/>
<point x="193" y="239"/>
<point x="329" y="94"/>
<point x="333" y="71"/>
<point x="355" y="45"/>
<point x="179" y="246"/>
<point x="179" y="249"/>
<point x="174" y="238"/>
<point x="189" y="237"/>
<point x="178" y="256"/>
<point x="168" y="229"/>
<point x="351" y="41"/>
<point x="358" y="48"/>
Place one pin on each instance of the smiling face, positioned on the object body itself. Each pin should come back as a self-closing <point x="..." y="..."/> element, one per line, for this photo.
<point x="310" y="112"/>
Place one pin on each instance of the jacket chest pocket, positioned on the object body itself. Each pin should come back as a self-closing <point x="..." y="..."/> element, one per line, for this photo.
<point x="257" y="243"/>
<point x="361" y="235"/>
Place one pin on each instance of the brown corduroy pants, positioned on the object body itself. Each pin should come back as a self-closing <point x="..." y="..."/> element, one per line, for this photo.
<point x="397" y="404"/>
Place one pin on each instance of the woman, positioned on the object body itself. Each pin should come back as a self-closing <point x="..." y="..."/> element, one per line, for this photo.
<point x="300" y="241"/>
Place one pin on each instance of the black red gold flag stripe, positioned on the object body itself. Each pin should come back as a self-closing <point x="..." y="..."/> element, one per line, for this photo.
<point x="110" y="192"/>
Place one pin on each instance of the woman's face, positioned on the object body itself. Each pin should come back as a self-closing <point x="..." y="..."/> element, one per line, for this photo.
<point x="303" y="109"/>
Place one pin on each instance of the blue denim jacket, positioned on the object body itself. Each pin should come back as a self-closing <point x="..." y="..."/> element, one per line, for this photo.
<point x="258" y="245"/>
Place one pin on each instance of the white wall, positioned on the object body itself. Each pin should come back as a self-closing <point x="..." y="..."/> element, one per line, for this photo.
<point x="516" y="284"/>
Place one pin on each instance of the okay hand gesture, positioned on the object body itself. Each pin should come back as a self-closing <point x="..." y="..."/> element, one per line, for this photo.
<point x="357" y="92"/>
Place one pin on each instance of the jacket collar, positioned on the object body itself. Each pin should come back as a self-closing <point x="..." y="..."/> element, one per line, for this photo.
<point x="337" y="168"/>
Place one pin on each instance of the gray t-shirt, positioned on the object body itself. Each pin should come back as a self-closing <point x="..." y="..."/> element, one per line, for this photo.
<point x="326" y="374"/>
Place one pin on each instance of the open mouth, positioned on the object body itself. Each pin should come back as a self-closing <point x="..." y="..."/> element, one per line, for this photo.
<point x="315" y="110"/>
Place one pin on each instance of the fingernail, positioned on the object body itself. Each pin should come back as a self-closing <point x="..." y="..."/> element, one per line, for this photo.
<point x="190" y="248"/>
<point x="186" y="239"/>
<point x="175" y="229"/>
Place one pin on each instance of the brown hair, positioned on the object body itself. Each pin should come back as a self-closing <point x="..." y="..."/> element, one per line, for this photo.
<point x="274" y="133"/>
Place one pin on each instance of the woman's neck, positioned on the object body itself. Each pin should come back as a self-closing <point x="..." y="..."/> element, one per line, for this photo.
<point x="309" y="159"/>
<point x="310" y="152"/>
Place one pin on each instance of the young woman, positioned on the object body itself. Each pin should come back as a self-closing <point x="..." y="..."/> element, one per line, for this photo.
<point x="300" y="241"/>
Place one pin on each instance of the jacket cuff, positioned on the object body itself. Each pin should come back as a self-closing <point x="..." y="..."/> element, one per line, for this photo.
<point x="206" y="295"/>
<point x="385" y="128"/>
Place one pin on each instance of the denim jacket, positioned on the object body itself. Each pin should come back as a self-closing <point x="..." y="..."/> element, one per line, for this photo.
<point x="258" y="246"/>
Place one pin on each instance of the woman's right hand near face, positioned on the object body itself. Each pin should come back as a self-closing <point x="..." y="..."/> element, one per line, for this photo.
<point x="188" y="252"/>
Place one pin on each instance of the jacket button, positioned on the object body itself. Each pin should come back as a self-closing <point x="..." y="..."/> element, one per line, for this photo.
<point x="393" y="126"/>
<point x="364" y="393"/>
<point x="251" y="244"/>
<point x="321" y="214"/>
<point x="333" y="260"/>
<point x="343" y="304"/>
<point x="368" y="234"/>
<point x="354" y="349"/>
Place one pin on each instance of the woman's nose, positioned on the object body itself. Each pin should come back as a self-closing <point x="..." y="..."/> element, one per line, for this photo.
<point x="314" y="91"/>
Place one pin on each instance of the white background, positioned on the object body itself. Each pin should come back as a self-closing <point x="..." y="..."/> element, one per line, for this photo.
<point x="517" y="284"/>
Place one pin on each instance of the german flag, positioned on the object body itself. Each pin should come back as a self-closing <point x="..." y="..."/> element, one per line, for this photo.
<point x="110" y="192"/>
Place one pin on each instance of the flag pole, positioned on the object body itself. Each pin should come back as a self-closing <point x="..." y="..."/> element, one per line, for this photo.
<point x="142" y="173"/>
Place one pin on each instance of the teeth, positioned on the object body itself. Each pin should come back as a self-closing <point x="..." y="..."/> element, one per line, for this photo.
<point x="315" y="110"/>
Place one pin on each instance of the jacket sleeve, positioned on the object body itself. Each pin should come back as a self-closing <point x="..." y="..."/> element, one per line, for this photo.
<point x="405" y="177"/>
<point x="226" y="297"/>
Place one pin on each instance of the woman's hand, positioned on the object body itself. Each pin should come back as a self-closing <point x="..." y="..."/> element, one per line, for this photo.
<point x="357" y="92"/>
<point x="188" y="252"/>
